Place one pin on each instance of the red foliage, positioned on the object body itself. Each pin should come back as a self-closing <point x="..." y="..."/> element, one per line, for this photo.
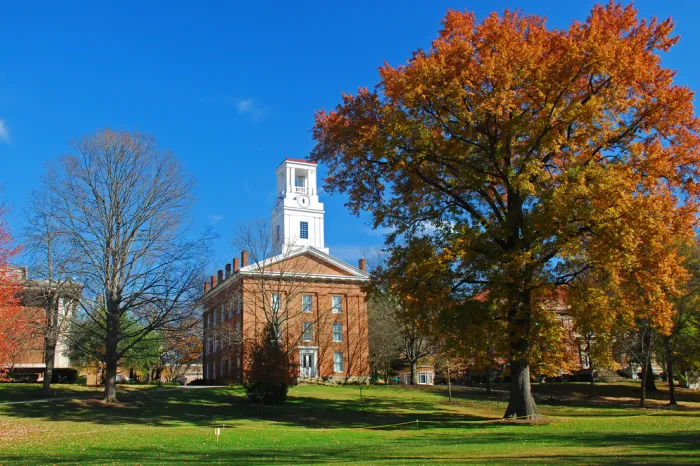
<point x="12" y="325"/>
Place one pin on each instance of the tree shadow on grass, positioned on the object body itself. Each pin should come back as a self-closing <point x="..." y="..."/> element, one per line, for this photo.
<point x="609" y="397"/>
<point x="215" y="406"/>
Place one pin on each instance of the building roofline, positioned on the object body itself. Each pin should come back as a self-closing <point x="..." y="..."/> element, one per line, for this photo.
<point x="289" y="159"/>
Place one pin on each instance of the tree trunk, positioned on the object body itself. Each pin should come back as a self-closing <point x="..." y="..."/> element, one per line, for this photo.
<point x="110" y="392"/>
<point x="50" y="361"/>
<point x="488" y="380"/>
<point x="591" y="375"/>
<point x="112" y="340"/>
<point x="649" y="379"/>
<point x="449" y="384"/>
<point x="414" y="365"/>
<point x="669" y="372"/>
<point x="521" y="404"/>
<point x="643" y="397"/>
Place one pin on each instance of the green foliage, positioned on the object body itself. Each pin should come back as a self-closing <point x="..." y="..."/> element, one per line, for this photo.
<point x="87" y="347"/>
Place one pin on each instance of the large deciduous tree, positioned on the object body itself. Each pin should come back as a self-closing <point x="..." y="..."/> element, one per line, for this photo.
<point x="122" y="203"/>
<point x="528" y="154"/>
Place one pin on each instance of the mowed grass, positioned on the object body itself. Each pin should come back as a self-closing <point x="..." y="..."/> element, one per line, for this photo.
<point x="324" y="424"/>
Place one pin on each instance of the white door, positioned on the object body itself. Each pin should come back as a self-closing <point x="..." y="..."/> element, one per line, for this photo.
<point x="308" y="363"/>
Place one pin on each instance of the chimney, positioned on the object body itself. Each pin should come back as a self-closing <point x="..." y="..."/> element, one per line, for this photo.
<point x="206" y="286"/>
<point x="235" y="264"/>
<point x="244" y="258"/>
<point x="363" y="264"/>
<point x="228" y="270"/>
<point x="219" y="276"/>
<point x="213" y="282"/>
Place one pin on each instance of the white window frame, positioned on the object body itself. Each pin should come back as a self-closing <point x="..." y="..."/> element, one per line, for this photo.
<point x="337" y="304"/>
<point x="310" y="307"/>
<point x="337" y="332"/>
<point x="301" y="230"/>
<point x="338" y="360"/>
<point x="275" y="302"/>
<point x="307" y="326"/>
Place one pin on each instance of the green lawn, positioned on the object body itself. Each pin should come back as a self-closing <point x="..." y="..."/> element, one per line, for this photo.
<point x="330" y="424"/>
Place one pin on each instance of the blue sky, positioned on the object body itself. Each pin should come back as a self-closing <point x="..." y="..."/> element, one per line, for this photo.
<point x="230" y="88"/>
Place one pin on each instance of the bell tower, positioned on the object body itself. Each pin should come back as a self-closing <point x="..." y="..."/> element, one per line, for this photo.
<point x="297" y="219"/>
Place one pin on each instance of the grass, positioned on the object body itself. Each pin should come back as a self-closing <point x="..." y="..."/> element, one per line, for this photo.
<point x="330" y="424"/>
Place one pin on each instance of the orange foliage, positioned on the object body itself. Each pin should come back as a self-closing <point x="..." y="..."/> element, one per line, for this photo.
<point x="530" y="155"/>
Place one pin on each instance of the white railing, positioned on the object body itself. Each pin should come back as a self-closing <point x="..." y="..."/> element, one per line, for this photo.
<point x="300" y="189"/>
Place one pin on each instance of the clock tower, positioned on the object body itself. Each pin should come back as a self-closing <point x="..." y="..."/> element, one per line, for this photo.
<point x="297" y="218"/>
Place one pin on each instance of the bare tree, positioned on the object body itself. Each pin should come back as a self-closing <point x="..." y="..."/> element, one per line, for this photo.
<point x="123" y="204"/>
<point x="50" y="257"/>
<point x="384" y="340"/>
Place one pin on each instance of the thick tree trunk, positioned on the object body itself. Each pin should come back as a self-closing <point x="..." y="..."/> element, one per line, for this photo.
<point x="414" y="365"/>
<point x="488" y="380"/>
<point x="649" y="378"/>
<point x="521" y="404"/>
<point x="50" y="361"/>
<point x="112" y="340"/>
<point x="669" y="372"/>
<point x="110" y="392"/>
<point x="591" y="376"/>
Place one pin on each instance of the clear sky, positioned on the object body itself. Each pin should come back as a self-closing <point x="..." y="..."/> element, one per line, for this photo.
<point x="230" y="87"/>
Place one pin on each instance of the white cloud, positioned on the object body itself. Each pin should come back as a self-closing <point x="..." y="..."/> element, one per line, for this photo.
<point x="4" y="132"/>
<point x="215" y="218"/>
<point x="248" y="107"/>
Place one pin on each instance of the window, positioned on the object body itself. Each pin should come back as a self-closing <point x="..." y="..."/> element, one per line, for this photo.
<point x="337" y="304"/>
<point x="304" y="230"/>
<point x="238" y="362"/>
<point x="222" y="316"/>
<point x="277" y="234"/>
<point x="425" y="378"/>
<point x="338" y="362"/>
<point x="239" y="304"/>
<point x="337" y="332"/>
<point x="308" y="331"/>
<point x="307" y="303"/>
<point x="275" y="302"/>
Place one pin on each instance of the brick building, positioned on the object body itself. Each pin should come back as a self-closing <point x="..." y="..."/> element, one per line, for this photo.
<point x="315" y="299"/>
<point x="30" y="355"/>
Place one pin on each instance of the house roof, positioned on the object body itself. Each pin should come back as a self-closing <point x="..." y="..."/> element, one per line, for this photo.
<point x="353" y="273"/>
<point x="345" y="271"/>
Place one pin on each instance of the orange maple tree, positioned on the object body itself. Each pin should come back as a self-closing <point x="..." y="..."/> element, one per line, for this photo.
<point x="12" y="326"/>
<point x="528" y="154"/>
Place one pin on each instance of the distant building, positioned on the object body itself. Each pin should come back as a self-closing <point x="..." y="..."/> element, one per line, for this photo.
<point x="30" y="359"/>
<point x="321" y="297"/>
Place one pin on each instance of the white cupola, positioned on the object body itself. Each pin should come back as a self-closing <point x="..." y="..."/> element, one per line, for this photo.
<point x="297" y="218"/>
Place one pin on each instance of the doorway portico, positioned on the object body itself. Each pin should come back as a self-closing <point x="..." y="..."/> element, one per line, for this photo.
<point x="308" y="361"/>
